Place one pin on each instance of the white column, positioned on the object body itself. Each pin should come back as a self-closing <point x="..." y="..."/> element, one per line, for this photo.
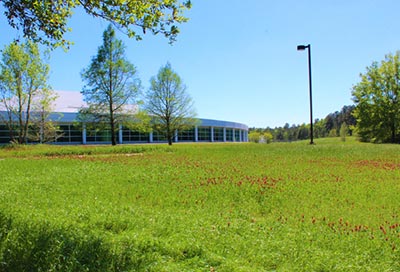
<point x="234" y="136"/>
<point x="120" y="134"/>
<point x="176" y="136"/>
<point x="83" y="134"/>
<point x="196" y="134"/>
<point x="150" y="137"/>
<point x="212" y="134"/>
<point x="224" y="134"/>
<point x="241" y="135"/>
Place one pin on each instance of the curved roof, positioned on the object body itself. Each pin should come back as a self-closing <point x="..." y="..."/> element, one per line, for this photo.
<point x="68" y="103"/>
<point x="70" y="117"/>
<point x="219" y="123"/>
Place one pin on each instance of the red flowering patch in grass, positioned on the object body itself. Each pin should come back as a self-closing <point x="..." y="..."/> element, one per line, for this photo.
<point x="261" y="181"/>
<point x="385" y="165"/>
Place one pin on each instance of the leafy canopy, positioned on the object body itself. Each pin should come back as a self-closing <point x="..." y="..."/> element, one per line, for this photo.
<point x="112" y="85"/>
<point x="23" y="86"/>
<point x="46" y="21"/>
<point x="377" y="101"/>
<point x="168" y="103"/>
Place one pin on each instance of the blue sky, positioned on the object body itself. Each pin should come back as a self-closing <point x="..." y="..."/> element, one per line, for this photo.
<point x="238" y="58"/>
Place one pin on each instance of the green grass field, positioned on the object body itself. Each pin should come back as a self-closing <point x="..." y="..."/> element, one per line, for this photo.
<point x="333" y="206"/>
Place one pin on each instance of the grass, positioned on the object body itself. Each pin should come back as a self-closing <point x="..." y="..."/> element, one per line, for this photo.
<point x="201" y="207"/>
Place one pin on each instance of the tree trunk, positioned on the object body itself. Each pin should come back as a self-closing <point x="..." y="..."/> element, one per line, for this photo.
<point x="169" y="133"/>
<point x="113" y="138"/>
<point x="10" y="126"/>
<point x="169" y="140"/>
<point x="110" y="74"/>
<point x="27" y="116"/>
<point x="112" y="124"/>
<point x="393" y="130"/>
<point x="20" y="112"/>
<point x="41" y="129"/>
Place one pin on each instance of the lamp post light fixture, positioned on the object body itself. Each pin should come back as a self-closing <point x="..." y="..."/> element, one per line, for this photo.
<point x="302" y="48"/>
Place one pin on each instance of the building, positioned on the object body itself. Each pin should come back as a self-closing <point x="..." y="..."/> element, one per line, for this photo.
<point x="74" y="132"/>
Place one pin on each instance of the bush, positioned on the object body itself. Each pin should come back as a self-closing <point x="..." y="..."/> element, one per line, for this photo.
<point x="254" y="136"/>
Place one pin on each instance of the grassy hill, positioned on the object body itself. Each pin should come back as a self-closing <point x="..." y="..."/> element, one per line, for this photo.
<point x="333" y="206"/>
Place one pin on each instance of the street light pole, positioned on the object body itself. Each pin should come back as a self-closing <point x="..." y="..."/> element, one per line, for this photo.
<point x="301" y="48"/>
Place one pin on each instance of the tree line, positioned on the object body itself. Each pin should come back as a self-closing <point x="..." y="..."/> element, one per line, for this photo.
<point x="340" y="123"/>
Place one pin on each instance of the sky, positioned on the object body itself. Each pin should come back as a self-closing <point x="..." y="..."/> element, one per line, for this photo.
<point x="238" y="59"/>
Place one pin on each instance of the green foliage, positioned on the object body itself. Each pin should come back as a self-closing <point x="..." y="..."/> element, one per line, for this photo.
<point x="343" y="132"/>
<point x="327" y="127"/>
<point x="257" y="137"/>
<point x="320" y="130"/>
<point x="268" y="137"/>
<point x="167" y="102"/>
<point x="23" y="87"/>
<point x="46" y="21"/>
<point x="254" y="136"/>
<point x="205" y="207"/>
<point x="112" y="86"/>
<point x="333" y="133"/>
<point x="43" y="128"/>
<point x="377" y="101"/>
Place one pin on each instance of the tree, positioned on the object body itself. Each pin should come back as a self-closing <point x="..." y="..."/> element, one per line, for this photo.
<point x="46" y="21"/>
<point x="22" y="83"/>
<point x="111" y="86"/>
<point x="346" y="116"/>
<point x="332" y="123"/>
<point x="303" y="132"/>
<point x="43" y="128"/>
<point x="168" y="103"/>
<point x="377" y="101"/>
<point x="320" y="128"/>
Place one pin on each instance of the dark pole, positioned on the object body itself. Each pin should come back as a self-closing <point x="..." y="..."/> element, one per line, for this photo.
<point x="310" y="84"/>
<point x="301" y="48"/>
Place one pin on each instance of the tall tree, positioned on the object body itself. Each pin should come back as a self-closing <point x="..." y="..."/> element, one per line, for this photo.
<point x="112" y="84"/>
<point x="169" y="104"/>
<point x="377" y="101"/>
<point x="23" y="78"/>
<point x="46" y="21"/>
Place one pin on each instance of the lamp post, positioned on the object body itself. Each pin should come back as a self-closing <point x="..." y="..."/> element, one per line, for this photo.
<point x="302" y="48"/>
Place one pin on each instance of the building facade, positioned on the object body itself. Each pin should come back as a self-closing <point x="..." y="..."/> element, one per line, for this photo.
<point x="74" y="132"/>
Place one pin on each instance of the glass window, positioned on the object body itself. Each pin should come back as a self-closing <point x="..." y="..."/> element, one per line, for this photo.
<point x="70" y="134"/>
<point x="204" y="133"/>
<point x="218" y="134"/>
<point x="134" y="136"/>
<point x="4" y="134"/>
<point x="186" y="135"/>
<point x="229" y="135"/>
<point x="99" y="134"/>
<point x="159" y="137"/>
<point x="237" y="135"/>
